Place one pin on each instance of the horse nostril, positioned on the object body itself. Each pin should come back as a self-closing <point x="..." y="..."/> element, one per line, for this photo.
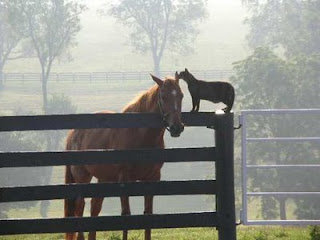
<point x="173" y="128"/>
<point x="176" y="129"/>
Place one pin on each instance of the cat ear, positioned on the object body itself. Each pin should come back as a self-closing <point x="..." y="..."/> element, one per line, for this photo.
<point x="157" y="80"/>
<point x="176" y="76"/>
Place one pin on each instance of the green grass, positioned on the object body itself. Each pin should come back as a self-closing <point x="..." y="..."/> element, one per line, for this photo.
<point x="243" y="233"/>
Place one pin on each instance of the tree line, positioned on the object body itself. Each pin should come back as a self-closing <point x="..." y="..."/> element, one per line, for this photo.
<point x="47" y="29"/>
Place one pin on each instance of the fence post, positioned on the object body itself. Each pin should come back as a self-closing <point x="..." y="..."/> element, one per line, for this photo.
<point x="225" y="198"/>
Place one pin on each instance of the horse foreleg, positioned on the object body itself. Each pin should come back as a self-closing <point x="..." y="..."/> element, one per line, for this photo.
<point x="148" y="209"/>
<point x="125" y="210"/>
<point x="96" y="205"/>
<point x="79" y="213"/>
<point x="80" y="175"/>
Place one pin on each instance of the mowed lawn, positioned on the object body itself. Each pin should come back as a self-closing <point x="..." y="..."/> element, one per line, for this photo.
<point x="243" y="233"/>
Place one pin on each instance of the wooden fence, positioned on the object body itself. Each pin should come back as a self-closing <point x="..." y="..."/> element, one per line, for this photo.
<point x="223" y="186"/>
<point x="108" y="76"/>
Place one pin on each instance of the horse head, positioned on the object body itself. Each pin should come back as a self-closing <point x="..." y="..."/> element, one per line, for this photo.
<point x="169" y="102"/>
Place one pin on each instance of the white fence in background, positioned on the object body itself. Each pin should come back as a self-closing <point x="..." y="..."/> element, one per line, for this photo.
<point x="247" y="167"/>
<point x="109" y="76"/>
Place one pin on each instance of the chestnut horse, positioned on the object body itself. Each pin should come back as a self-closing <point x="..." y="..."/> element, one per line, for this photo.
<point x="164" y="98"/>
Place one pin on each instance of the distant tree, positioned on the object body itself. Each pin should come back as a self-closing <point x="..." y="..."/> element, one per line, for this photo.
<point x="20" y="141"/>
<point x="52" y="26"/>
<point x="57" y="104"/>
<point x="12" y="31"/>
<point x="292" y="25"/>
<point x="160" y="25"/>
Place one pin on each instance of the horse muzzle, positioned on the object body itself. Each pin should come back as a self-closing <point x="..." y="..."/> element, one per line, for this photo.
<point x="176" y="129"/>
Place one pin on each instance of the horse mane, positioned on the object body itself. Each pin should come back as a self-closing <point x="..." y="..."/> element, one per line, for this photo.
<point x="146" y="101"/>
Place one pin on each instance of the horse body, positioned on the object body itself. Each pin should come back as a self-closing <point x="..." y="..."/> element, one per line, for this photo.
<point x="124" y="138"/>
<point x="118" y="139"/>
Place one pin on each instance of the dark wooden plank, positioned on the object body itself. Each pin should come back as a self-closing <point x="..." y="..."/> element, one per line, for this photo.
<point x="140" y="156"/>
<point x="108" y="223"/>
<point x="13" y="194"/>
<point x="86" y="121"/>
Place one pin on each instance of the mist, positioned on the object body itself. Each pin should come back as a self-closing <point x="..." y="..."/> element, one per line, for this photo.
<point x="105" y="62"/>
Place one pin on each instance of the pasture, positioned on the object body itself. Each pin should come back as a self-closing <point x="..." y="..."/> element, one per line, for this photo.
<point x="243" y="233"/>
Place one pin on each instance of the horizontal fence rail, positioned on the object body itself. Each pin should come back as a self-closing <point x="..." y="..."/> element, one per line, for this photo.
<point x="108" y="223"/>
<point x="286" y="222"/>
<point x="136" y="156"/>
<point x="267" y="112"/>
<point x="14" y="194"/>
<point x="285" y="139"/>
<point x="109" y="76"/>
<point x="287" y="166"/>
<point x="107" y="120"/>
<point x="289" y="194"/>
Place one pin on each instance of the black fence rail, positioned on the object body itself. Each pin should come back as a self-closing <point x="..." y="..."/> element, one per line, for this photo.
<point x="223" y="186"/>
<point x="109" y="76"/>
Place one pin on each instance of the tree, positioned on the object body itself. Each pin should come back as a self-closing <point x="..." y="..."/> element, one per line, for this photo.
<point x="20" y="141"/>
<point x="264" y="80"/>
<point x="57" y="104"/>
<point x="12" y="31"/>
<point x="52" y="27"/>
<point x="290" y="29"/>
<point x="292" y="25"/>
<point x="158" y="25"/>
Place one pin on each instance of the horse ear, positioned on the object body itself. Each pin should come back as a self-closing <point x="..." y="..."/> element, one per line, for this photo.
<point x="176" y="76"/>
<point x="186" y="70"/>
<point x="157" y="80"/>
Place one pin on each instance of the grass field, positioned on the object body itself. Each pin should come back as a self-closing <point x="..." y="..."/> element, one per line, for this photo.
<point x="243" y="233"/>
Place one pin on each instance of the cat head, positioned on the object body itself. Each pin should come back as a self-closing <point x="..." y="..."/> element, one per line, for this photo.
<point x="185" y="75"/>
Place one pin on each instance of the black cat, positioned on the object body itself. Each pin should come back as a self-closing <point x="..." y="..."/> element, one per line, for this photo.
<point x="212" y="91"/>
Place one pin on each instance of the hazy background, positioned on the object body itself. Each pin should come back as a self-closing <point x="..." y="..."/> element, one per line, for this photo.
<point x="276" y="66"/>
<point x="103" y="44"/>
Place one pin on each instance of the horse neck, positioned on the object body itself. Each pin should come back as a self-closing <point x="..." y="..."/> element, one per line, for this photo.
<point x="146" y="102"/>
